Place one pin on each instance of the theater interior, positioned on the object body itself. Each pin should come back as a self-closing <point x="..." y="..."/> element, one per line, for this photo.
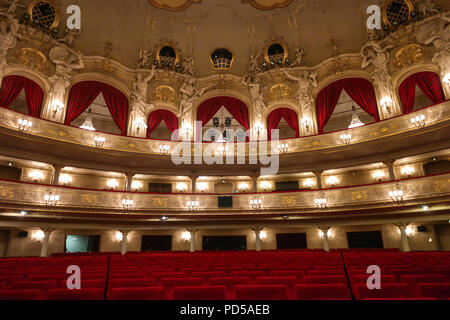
<point x="224" y="150"/>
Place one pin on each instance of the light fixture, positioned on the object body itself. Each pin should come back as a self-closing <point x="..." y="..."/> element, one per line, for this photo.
<point x="202" y="186"/>
<point x="306" y="123"/>
<point x="356" y="122"/>
<point x="57" y="106"/>
<point x="410" y="231"/>
<point x="187" y="129"/>
<point x="112" y="184"/>
<point x="262" y="235"/>
<point x="119" y="236"/>
<point x="430" y="240"/>
<point x="419" y="120"/>
<point x="99" y="141"/>
<point x="425" y="208"/>
<point x="446" y="79"/>
<point x="24" y="125"/>
<point x="346" y="138"/>
<point x="36" y="175"/>
<point x="164" y="218"/>
<point x="259" y="128"/>
<point x="181" y="187"/>
<point x="396" y="195"/>
<point x="65" y="179"/>
<point x="332" y="181"/>
<point x="265" y="185"/>
<point x="308" y="183"/>
<point x="256" y="204"/>
<point x="38" y="235"/>
<point x="136" y="185"/>
<point x="284" y="147"/>
<point x="321" y="234"/>
<point x="186" y="236"/>
<point x="127" y="204"/>
<point x="378" y="175"/>
<point x="23" y="213"/>
<point x="87" y="124"/>
<point x="407" y="171"/>
<point x="164" y="149"/>
<point x="387" y="103"/>
<point x="51" y="199"/>
<point x="243" y="186"/>
<point x="320" y="202"/>
<point x="140" y="124"/>
<point x="193" y="205"/>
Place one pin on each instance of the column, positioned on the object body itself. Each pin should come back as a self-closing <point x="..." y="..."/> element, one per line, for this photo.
<point x="192" y="242"/>
<point x="129" y="181"/>
<point x="390" y="164"/>
<point x="326" y="241"/>
<point x="56" y="173"/>
<point x="318" y="174"/>
<point x="435" y="236"/>
<point x="255" y="183"/>
<point x="194" y="183"/>
<point x="405" y="242"/>
<point x="125" y="233"/>
<point x="44" y="248"/>
<point x="257" y="238"/>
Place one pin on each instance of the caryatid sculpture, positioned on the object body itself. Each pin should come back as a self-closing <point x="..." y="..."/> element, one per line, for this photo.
<point x="9" y="28"/>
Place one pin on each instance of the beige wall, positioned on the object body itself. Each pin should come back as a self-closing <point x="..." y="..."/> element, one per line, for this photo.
<point x="443" y="232"/>
<point x="4" y="237"/>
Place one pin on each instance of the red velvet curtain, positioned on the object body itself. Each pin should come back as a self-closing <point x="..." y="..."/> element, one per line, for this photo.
<point x="428" y="82"/>
<point x="155" y="118"/>
<point x="235" y="107"/>
<point x="360" y="90"/>
<point x="274" y="118"/>
<point x="11" y="88"/>
<point x="117" y="104"/>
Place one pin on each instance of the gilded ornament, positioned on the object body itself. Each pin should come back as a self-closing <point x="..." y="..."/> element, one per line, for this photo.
<point x="32" y="58"/>
<point x="409" y="55"/>
<point x="89" y="199"/>
<point x="160" y="202"/>
<point x="359" y="195"/>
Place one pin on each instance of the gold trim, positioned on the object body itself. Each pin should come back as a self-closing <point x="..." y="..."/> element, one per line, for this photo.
<point x="384" y="13"/>
<point x="281" y="43"/>
<point x="49" y="2"/>
<point x="171" y="7"/>
<point x="212" y="61"/>
<point x="275" y="4"/>
<point x="167" y="44"/>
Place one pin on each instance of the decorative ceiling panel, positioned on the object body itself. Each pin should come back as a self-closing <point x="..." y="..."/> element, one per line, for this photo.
<point x="173" y="5"/>
<point x="268" y="4"/>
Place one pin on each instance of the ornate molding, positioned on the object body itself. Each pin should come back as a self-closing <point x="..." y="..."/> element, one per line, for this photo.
<point x="268" y="4"/>
<point x="173" y="5"/>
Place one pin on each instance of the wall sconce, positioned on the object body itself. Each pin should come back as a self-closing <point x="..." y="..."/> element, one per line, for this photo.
<point x="51" y="200"/>
<point x="181" y="187"/>
<point x="36" y="175"/>
<point x="164" y="149"/>
<point x="410" y="231"/>
<point x="258" y="128"/>
<point x="127" y="204"/>
<point x="321" y="234"/>
<point x="419" y="121"/>
<point x="186" y="236"/>
<point x="243" y="186"/>
<point x="321" y="202"/>
<point x="65" y="179"/>
<point x="38" y="235"/>
<point x="193" y="205"/>
<point x="378" y="175"/>
<point x="407" y="171"/>
<point x="284" y="147"/>
<point x="346" y="138"/>
<point x="119" y="236"/>
<point x="308" y="183"/>
<point x="136" y="185"/>
<point x="24" y="125"/>
<point x="202" y="186"/>
<point x="306" y="123"/>
<point x="57" y="106"/>
<point x="387" y="103"/>
<point x="140" y="125"/>
<point x="332" y="181"/>
<point x="446" y="79"/>
<point x="265" y="185"/>
<point x="112" y="184"/>
<point x="396" y="195"/>
<point x="187" y="129"/>
<point x="262" y="235"/>
<point x="256" y="204"/>
<point x="99" y="141"/>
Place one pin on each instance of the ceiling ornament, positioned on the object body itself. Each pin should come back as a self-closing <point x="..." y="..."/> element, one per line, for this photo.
<point x="279" y="92"/>
<point x="268" y="4"/>
<point x="173" y="5"/>
<point x="409" y="55"/>
<point x="165" y="94"/>
<point x="33" y="59"/>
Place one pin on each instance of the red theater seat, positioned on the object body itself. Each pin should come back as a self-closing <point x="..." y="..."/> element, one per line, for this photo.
<point x="153" y="293"/>
<point x="83" y="294"/>
<point x="435" y="290"/>
<point x="385" y="278"/>
<point x="251" y="274"/>
<point x="325" y="279"/>
<point x="131" y="275"/>
<point x="416" y="278"/>
<point x="87" y="284"/>
<point x="336" y="291"/>
<point x="209" y="274"/>
<point x="387" y="291"/>
<point x="287" y="273"/>
<point x="199" y="293"/>
<point x="131" y="283"/>
<point x="31" y="294"/>
<point x="261" y="292"/>
<point x="181" y="282"/>
<point x="43" y="286"/>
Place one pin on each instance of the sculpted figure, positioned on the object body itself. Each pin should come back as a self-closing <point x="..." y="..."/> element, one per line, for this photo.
<point x="254" y="86"/>
<point x="254" y="64"/>
<point x="427" y="7"/>
<point x="299" y="53"/>
<point x="188" y="66"/>
<point x="189" y="93"/>
<point x="305" y="81"/>
<point x="13" y="5"/>
<point x="441" y="43"/>
<point x="69" y="37"/>
<point x="8" y="38"/>
<point x="139" y="96"/>
<point x="145" y="59"/>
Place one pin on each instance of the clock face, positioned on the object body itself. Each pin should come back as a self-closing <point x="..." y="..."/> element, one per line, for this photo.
<point x="44" y="15"/>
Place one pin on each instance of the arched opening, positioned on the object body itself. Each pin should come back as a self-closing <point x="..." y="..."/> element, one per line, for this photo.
<point x="420" y="90"/>
<point x="223" y="119"/>
<point x="286" y="121"/>
<point x="89" y="110"/>
<point x="346" y="103"/>
<point x="22" y="95"/>
<point x="161" y="124"/>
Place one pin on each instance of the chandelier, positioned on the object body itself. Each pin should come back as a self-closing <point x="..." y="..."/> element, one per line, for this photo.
<point x="87" y="124"/>
<point x="222" y="123"/>
<point x="355" y="119"/>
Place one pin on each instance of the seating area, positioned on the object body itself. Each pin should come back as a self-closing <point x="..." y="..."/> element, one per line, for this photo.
<point x="230" y="275"/>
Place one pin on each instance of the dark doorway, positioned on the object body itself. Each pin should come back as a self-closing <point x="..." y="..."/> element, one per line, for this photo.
<point x="76" y="243"/>
<point x="10" y="173"/>
<point x="368" y="239"/>
<point x="160" y="187"/>
<point x="156" y="243"/>
<point x="291" y="241"/>
<point x="437" y="167"/>
<point x="286" y="185"/>
<point x="224" y="243"/>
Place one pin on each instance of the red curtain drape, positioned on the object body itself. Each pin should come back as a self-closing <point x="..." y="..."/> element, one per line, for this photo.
<point x="117" y="104"/>
<point x="360" y="90"/>
<point x="235" y="107"/>
<point x="274" y="118"/>
<point x="83" y="94"/>
<point x="155" y="118"/>
<point x="11" y="88"/>
<point x="428" y="82"/>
